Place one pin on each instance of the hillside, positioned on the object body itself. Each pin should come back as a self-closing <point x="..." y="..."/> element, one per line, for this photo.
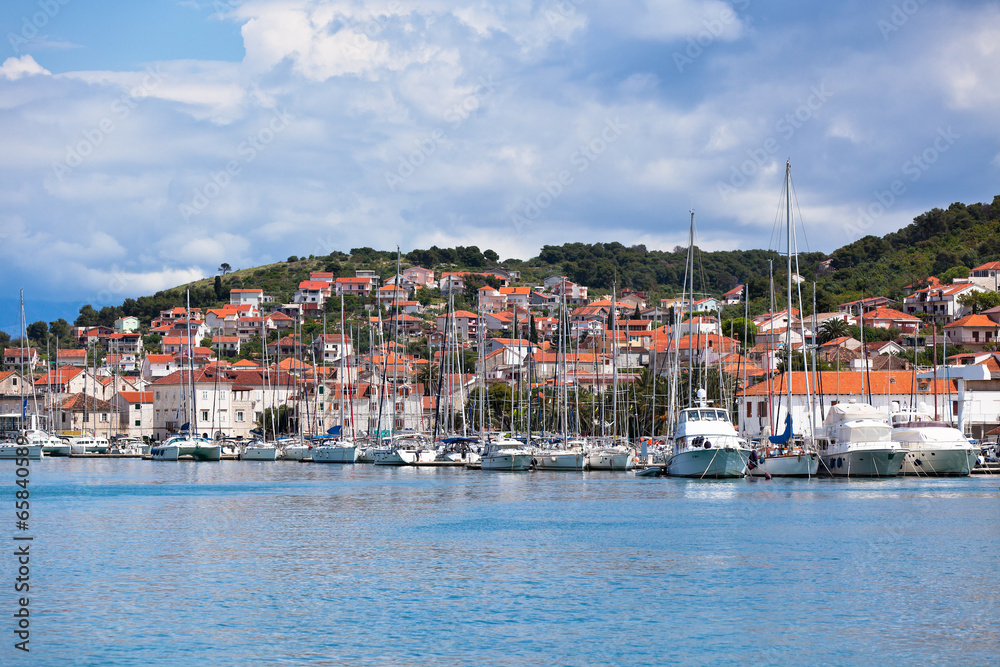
<point x="946" y="243"/>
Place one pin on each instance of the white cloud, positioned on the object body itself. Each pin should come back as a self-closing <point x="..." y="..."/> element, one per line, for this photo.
<point x="14" y="68"/>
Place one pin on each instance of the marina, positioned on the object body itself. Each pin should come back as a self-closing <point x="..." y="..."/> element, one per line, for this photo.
<point x="662" y="571"/>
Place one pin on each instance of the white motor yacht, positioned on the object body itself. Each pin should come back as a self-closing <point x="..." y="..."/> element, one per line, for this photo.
<point x="187" y="446"/>
<point x="706" y="444"/>
<point x="858" y="443"/>
<point x="934" y="448"/>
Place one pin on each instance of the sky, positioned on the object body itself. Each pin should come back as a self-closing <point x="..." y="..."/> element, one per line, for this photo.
<point x="142" y="144"/>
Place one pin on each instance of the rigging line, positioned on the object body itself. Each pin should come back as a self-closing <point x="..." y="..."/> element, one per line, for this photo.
<point x="802" y="223"/>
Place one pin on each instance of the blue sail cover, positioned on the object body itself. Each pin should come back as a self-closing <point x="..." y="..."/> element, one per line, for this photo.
<point x="784" y="437"/>
<point x="335" y="431"/>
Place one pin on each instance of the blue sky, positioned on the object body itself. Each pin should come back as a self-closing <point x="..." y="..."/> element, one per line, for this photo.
<point x="146" y="143"/>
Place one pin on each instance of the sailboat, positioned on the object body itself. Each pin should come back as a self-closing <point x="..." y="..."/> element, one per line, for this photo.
<point x="783" y="458"/>
<point x="185" y="443"/>
<point x="705" y="442"/>
<point x="27" y="443"/>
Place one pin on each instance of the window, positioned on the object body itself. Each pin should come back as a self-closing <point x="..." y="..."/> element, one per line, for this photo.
<point x="104" y="417"/>
<point x="240" y="416"/>
<point x="157" y="395"/>
<point x="138" y="422"/>
<point x="321" y="389"/>
<point x="138" y="406"/>
<point x="749" y="409"/>
<point x="204" y="415"/>
<point x="204" y="395"/>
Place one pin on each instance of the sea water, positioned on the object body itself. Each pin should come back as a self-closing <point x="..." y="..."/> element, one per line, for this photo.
<point x="269" y="563"/>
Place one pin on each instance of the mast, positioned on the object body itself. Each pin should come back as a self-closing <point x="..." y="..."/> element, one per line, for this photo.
<point x="788" y="277"/>
<point x="691" y="313"/>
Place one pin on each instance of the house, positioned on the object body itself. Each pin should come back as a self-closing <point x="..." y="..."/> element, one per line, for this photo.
<point x="517" y="296"/>
<point x="706" y="305"/>
<point x="491" y="300"/>
<point x="248" y="327"/>
<point x="411" y="307"/>
<point x="987" y="276"/>
<point x="278" y="321"/>
<point x="117" y="364"/>
<point x="941" y="304"/>
<point x="252" y="297"/>
<point x="124" y="343"/>
<point x="419" y="276"/>
<point x="733" y="296"/>
<point x="158" y="365"/>
<point x="408" y="324"/>
<point x="359" y="286"/>
<point x="175" y="315"/>
<point x="135" y="413"/>
<point x="177" y="344"/>
<point x="223" y="321"/>
<point x="81" y="413"/>
<point x="312" y="294"/>
<point x="974" y="332"/>
<point x="321" y="276"/>
<point x="887" y="318"/>
<point x="72" y="358"/>
<point x="127" y="324"/>
<point x="930" y="281"/>
<point x="16" y="357"/>
<point x="466" y="324"/>
<point x="856" y="307"/>
<point x="391" y="295"/>
<point x="574" y="295"/>
<point x="331" y="348"/>
<point x="226" y="346"/>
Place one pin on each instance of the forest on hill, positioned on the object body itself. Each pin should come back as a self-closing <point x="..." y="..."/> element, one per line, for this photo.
<point x="946" y="243"/>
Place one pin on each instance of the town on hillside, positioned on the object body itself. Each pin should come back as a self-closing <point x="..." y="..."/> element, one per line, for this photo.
<point x="399" y="361"/>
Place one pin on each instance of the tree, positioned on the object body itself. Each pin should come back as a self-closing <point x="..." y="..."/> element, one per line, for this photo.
<point x="833" y="328"/>
<point x="60" y="329"/>
<point x="491" y="256"/>
<point x="224" y="268"/>
<point x="88" y="317"/>
<point x="532" y="331"/>
<point x="218" y="287"/>
<point x="735" y="327"/>
<point x="979" y="301"/>
<point x="38" y="331"/>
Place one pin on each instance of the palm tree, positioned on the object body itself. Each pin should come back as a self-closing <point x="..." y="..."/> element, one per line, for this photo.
<point x="833" y="328"/>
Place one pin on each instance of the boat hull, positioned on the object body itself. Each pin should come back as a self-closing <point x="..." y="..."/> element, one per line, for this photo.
<point x="30" y="452"/>
<point x="611" y="460"/>
<point x="509" y="462"/>
<point x="295" y="452"/>
<point x="335" y="454"/>
<point x="864" y="463"/>
<point x="260" y="454"/>
<point x="788" y="465"/>
<point x="568" y="461"/>
<point x="939" y="462"/>
<point x="715" y="463"/>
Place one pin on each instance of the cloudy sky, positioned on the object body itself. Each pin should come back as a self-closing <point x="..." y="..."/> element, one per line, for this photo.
<point x="144" y="143"/>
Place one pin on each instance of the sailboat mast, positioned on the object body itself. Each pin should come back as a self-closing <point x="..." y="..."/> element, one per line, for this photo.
<point x="788" y="303"/>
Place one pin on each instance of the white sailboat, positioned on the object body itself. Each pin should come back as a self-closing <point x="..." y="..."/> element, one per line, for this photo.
<point x="258" y="450"/>
<point x="783" y="458"/>
<point x="186" y="444"/>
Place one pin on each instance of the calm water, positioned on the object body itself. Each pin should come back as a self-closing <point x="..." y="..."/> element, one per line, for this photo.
<point x="235" y="563"/>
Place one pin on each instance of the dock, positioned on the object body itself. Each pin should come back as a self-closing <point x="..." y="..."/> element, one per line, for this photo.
<point x="991" y="468"/>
